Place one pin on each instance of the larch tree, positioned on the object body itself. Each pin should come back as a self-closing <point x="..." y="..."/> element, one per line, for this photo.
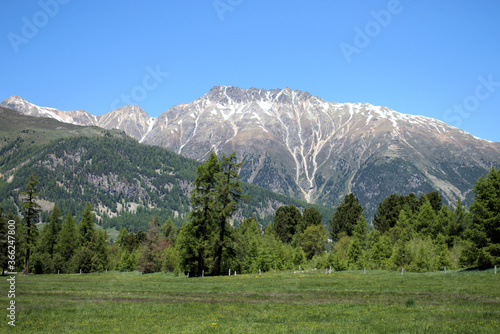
<point x="203" y="215"/>
<point x="229" y="193"/>
<point x="31" y="210"/>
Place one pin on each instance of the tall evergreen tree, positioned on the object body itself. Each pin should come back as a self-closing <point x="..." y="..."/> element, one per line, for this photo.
<point x="204" y="216"/>
<point x="387" y="213"/>
<point x="31" y="210"/>
<point x="287" y="222"/>
<point x="346" y="216"/>
<point x="228" y="191"/>
<point x="483" y="233"/>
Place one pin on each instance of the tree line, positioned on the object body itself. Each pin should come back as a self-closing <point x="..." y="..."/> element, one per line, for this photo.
<point x="418" y="234"/>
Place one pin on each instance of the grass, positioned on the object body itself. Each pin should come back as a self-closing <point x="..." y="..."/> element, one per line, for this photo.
<point x="314" y="302"/>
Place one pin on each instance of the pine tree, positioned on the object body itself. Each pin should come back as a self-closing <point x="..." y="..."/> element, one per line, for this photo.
<point x="345" y="217"/>
<point x="286" y="222"/>
<point x="387" y="213"/>
<point x="310" y="217"/>
<point x="31" y="209"/>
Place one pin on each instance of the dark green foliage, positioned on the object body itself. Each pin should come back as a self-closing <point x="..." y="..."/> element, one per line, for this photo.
<point x="287" y="222"/>
<point x="310" y="217"/>
<point x="68" y="238"/>
<point x="388" y="213"/>
<point x="483" y="234"/>
<point x="434" y="198"/>
<point x="346" y="216"/>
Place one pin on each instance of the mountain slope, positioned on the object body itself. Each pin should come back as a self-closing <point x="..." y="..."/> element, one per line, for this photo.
<point x="299" y="145"/>
<point x="118" y="175"/>
<point x="303" y="146"/>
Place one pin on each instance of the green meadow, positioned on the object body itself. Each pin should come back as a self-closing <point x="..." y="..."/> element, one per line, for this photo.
<point x="282" y="302"/>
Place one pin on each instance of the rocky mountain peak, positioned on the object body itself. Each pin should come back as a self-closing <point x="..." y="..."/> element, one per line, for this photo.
<point x="227" y="95"/>
<point x="299" y="145"/>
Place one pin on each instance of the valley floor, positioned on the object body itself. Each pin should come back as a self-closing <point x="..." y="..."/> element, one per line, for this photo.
<point x="305" y="302"/>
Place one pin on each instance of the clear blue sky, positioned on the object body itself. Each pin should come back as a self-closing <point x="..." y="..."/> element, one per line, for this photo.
<point x="420" y="57"/>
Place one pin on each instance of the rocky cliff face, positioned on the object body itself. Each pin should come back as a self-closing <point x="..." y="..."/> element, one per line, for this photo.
<point x="300" y="145"/>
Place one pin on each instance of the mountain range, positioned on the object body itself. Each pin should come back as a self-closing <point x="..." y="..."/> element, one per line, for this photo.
<point x="302" y="146"/>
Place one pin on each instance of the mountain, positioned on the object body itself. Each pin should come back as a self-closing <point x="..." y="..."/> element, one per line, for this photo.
<point x="302" y="146"/>
<point x="126" y="182"/>
<point x="131" y="119"/>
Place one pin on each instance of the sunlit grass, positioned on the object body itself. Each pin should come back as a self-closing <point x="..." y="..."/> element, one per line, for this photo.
<point x="313" y="302"/>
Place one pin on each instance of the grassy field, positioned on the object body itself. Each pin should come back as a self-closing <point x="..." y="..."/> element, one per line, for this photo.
<point x="311" y="302"/>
